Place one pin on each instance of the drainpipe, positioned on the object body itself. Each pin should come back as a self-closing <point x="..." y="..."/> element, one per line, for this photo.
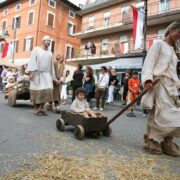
<point x="39" y="17"/>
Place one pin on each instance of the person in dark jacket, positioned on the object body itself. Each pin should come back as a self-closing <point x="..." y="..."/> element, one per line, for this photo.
<point x="89" y="83"/>
<point x="125" y="86"/>
<point x="77" y="80"/>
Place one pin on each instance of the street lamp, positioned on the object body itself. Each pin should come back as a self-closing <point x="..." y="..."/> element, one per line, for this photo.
<point x="6" y="34"/>
<point x="145" y="30"/>
<point x="14" y="37"/>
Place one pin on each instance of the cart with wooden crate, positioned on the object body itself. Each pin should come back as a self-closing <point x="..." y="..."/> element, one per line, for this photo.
<point x="82" y="125"/>
<point x="19" y="91"/>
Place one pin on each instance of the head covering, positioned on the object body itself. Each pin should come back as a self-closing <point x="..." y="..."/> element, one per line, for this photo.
<point x="11" y="77"/>
<point x="46" y="38"/>
<point x="172" y="27"/>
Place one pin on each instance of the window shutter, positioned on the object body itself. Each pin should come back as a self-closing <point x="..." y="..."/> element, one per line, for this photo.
<point x="72" y="52"/>
<point x="74" y="28"/>
<point x="16" y="46"/>
<point x="4" y="25"/>
<point x="52" y="46"/>
<point x="13" y="23"/>
<point x="19" y="22"/>
<point x="30" y="20"/>
<point x="67" y="52"/>
<point x="24" y="45"/>
<point x="32" y="40"/>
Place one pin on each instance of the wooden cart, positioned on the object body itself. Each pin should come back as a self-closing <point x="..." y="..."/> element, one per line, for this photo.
<point x="82" y="125"/>
<point x="98" y="125"/>
<point x="19" y="91"/>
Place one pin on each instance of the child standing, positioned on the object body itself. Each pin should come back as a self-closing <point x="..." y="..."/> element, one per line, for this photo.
<point x="64" y="88"/>
<point x="134" y="86"/>
<point x="80" y="105"/>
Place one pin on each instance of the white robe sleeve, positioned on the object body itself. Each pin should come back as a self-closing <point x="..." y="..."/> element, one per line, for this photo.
<point x="150" y="62"/>
<point x="33" y="64"/>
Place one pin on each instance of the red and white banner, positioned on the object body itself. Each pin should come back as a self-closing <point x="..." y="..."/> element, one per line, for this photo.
<point x="124" y="48"/>
<point x="138" y="23"/>
<point x="7" y="50"/>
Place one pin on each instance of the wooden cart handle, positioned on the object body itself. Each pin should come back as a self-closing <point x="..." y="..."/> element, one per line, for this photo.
<point x="130" y="104"/>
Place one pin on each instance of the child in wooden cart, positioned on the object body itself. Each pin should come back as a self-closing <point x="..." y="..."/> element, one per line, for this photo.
<point x="80" y="105"/>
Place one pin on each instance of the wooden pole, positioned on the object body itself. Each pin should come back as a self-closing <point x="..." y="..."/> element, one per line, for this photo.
<point x="129" y="105"/>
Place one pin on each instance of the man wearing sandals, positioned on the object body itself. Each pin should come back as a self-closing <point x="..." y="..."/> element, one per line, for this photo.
<point x="164" y="119"/>
<point x="41" y="73"/>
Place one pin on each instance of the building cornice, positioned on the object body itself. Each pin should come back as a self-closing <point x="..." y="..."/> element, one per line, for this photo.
<point x="8" y="2"/>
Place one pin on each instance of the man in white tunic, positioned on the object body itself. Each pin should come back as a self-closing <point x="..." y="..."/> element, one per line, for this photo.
<point x="164" y="118"/>
<point x="41" y="73"/>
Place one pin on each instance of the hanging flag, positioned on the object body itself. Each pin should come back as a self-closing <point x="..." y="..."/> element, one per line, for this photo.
<point x="138" y="23"/>
<point x="7" y="50"/>
<point x="124" y="48"/>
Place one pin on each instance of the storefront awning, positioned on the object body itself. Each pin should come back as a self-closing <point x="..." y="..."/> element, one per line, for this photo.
<point x="122" y="63"/>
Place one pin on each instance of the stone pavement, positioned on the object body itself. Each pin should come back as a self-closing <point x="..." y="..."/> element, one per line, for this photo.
<point x="22" y="135"/>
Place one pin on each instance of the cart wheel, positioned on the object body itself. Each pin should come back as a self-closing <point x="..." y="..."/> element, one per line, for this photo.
<point x="12" y="98"/>
<point x="79" y="132"/>
<point x="107" y="131"/>
<point x="60" y="124"/>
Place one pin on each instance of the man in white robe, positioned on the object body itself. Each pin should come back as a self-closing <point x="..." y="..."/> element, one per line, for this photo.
<point x="41" y="70"/>
<point x="164" y="118"/>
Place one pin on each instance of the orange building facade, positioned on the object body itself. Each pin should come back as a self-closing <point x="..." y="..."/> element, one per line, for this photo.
<point x="108" y="24"/>
<point x="27" y="21"/>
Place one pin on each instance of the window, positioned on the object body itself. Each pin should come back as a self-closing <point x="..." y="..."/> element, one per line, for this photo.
<point x="164" y="6"/>
<point x="105" y="45"/>
<point x="125" y="13"/>
<point x="18" y="7"/>
<point x="161" y="33"/>
<point x="52" y="3"/>
<point x="91" y="21"/>
<point x="1" y="47"/>
<point x="5" y="12"/>
<point x="123" y="41"/>
<point x="15" y="45"/>
<point x="107" y="18"/>
<point x="71" y="28"/>
<point x="72" y="14"/>
<point x="16" y="22"/>
<point x="69" y="52"/>
<point x="31" y="2"/>
<point x="28" y="44"/>
<point x="30" y="17"/>
<point x="4" y="25"/>
<point x="52" y="46"/>
<point x="50" y="19"/>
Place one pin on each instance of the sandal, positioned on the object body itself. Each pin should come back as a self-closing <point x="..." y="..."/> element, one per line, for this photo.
<point x="38" y="113"/>
<point x="44" y="113"/>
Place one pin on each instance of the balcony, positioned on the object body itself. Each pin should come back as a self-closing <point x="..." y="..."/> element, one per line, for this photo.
<point x="109" y="51"/>
<point x="157" y="13"/>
